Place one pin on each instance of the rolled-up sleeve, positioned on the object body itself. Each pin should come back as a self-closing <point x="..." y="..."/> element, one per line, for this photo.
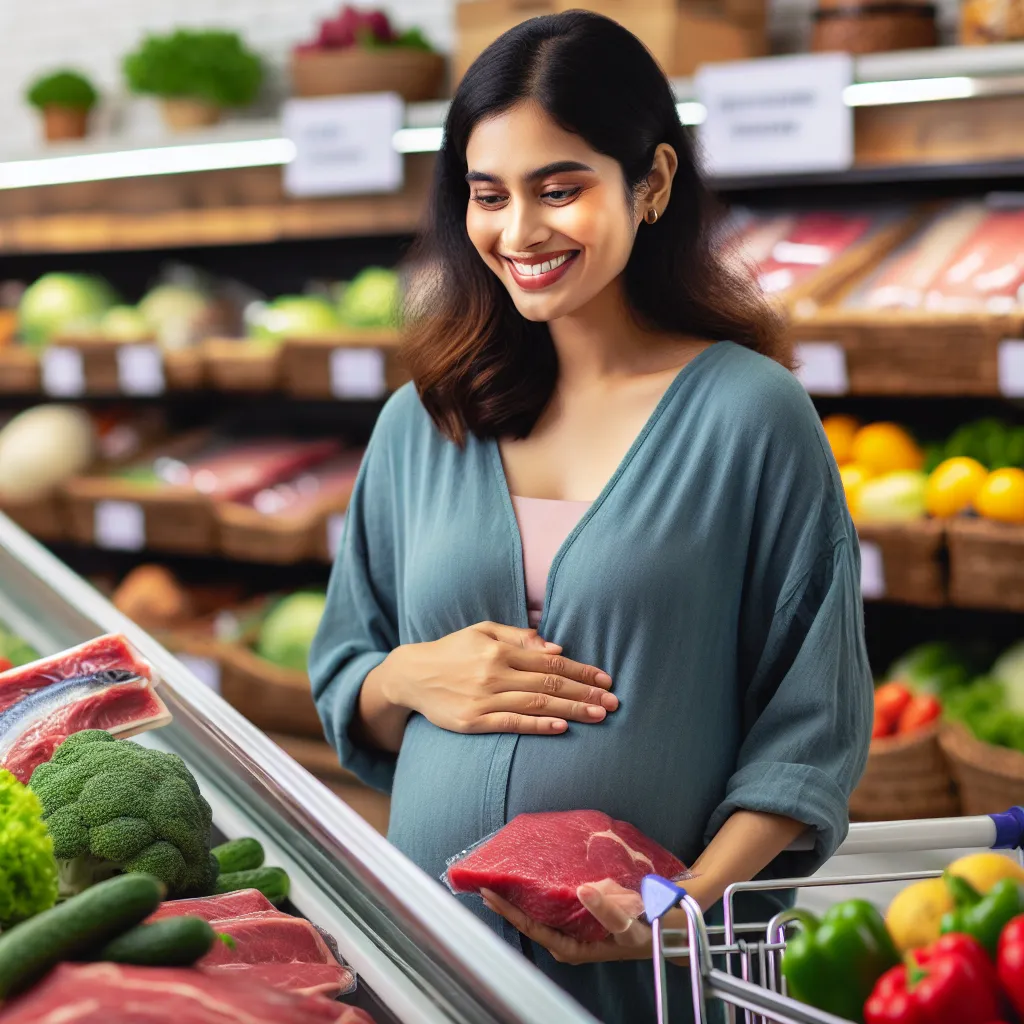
<point x="359" y="628"/>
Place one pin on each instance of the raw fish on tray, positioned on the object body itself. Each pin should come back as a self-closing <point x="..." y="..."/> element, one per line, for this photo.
<point x="102" y="684"/>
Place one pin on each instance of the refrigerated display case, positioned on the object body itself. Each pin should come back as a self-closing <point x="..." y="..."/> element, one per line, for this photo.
<point x="421" y="958"/>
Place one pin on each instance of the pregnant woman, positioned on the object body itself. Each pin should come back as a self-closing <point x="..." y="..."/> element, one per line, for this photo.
<point x="598" y="554"/>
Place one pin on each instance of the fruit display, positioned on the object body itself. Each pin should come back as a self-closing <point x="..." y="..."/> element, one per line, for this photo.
<point x="366" y="29"/>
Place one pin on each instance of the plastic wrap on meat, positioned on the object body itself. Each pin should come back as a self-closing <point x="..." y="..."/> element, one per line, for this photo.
<point x="538" y="861"/>
<point x="215" y="908"/>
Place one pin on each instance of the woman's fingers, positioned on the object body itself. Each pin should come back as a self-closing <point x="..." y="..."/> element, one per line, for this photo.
<point x="617" y="909"/>
<point x="556" y="666"/>
<point x="527" y="639"/>
<point x="561" y="947"/>
<point x="545" y="706"/>
<point x="525" y="725"/>
<point x="560" y="688"/>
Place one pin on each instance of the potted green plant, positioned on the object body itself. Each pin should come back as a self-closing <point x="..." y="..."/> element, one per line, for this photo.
<point x="65" y="99"/>
<point x="196" y="74"/>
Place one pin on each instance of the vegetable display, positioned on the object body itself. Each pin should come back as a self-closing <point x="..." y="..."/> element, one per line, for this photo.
<point x="28" y="873"/>
<point x="1010" y="963"/>
<point x="370" y="30"/>
<point x="833" y="963"/>
<point x="174" y="942"/>
<point x="114" y="806"/>
<point x="271" y="881"/>
<point x="983" y="917"/>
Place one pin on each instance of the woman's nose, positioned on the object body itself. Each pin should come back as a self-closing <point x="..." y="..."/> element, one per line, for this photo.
<point x="523" y="229"/>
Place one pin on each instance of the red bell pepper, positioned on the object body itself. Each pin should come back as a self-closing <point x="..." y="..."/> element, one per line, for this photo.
<point x="950" y="982"/>
<point x="1010" y="962"/>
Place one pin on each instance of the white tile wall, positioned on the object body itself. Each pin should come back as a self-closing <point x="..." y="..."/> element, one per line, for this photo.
<point x="39" y="35"/>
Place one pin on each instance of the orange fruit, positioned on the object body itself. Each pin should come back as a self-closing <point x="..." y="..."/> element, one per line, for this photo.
<point x="840" y="431"/>
<point x="953" y="485"/>
<point x="854" y="476"/>
<point x="885" y="448"/>
<point x="1001" y="496"/>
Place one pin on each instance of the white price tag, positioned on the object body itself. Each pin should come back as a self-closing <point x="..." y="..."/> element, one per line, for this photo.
<point x="63" y="372"/>
<point x="335" y="526"/>
<point x="343" y="144"/>
<point x="781" y="115"/>
<point x="119" y="525"/>
<point x="821" y="367"/>
<point x="872" y="571"/>
<point x="140" y="370"/>
<point x="206" y="670"/>
<point x="358" y="373"/>
<point x="1011" y="368"/>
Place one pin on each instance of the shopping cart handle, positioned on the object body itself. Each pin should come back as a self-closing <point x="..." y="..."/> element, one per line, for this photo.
<point x="659" y="896"/>
<point x="1009" y="829"/>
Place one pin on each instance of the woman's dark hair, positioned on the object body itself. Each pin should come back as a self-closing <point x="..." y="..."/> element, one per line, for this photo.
<point x="478" y="364"/>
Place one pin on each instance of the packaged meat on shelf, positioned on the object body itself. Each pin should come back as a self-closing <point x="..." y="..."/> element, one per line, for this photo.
<point x="940" y="315"/>
<point x="314" y="916"/>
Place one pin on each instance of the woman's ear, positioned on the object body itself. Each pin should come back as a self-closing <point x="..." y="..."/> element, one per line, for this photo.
<point x="659" y="181"/>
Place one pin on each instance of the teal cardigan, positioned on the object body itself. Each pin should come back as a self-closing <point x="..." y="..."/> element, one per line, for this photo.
<point x="716" y="578"/>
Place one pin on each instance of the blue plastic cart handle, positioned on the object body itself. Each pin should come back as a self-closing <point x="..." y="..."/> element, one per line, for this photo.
<point x="1009" y="829"/>
<point x="659" y="896"/>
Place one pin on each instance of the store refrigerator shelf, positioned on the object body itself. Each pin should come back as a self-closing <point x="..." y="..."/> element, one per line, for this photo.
<point x="420" y="956"/>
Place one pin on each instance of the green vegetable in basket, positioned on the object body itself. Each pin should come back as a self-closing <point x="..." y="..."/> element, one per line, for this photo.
<point x="833" y="963"/>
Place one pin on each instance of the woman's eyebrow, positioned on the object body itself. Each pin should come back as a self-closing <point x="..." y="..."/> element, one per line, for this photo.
<point x="557" y="167"/>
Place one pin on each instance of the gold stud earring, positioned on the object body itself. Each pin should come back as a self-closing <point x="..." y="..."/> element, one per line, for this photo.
<point x="651" y="216"/>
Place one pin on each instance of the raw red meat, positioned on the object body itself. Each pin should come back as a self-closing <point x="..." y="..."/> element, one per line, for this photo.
<point x="299" y="494"/>
<point x="112" y="651"/>
<point x="215" y="908"/>
<point x="266" y="937"/>
<point x="106" y="993"/>
<point x="330" y="980"/>
<point x="123" y="710"/>
<point x="537" y="862"/>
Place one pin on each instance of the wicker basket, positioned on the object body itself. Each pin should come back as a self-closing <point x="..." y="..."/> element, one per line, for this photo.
<point x="913" y="560"/>
<point x="414" y="74"/>
<point x="45" y="518"/>
<point x="251" y="536"/>
<point x="273" y="698"/>
<point x="235" y="365"/>
<point x="990" y="779"/>
<point x="315" y="367"/>
<point x="986" y="564"/>
<point x="19" y="371"/>
<point x="906" y="777"/>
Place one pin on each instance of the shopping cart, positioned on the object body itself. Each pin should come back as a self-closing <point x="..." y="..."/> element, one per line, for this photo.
<point x="756" y="949"/>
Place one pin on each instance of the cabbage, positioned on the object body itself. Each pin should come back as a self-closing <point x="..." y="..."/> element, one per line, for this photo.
<point x="124" y="323"/>
<point x="287" y="632"/>
<point x="62" y="303"/>
<point x="295" y="316"/>
<point x="895" y="496"/>
<point x="175" y="314"/>
<point x="371" y="299"/>
<point x="1009" y="670"/>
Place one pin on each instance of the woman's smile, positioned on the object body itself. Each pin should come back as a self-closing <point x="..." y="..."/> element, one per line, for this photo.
<point x="540" y="271"/>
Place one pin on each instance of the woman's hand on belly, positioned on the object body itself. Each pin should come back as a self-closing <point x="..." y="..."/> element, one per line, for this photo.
<point x="495" y="678"/>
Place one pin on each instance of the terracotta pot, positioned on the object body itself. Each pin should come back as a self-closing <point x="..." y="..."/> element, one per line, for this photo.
<point x="183" y="115"/>
<point x="415" y="75"/>
<point x="60" y="123"/>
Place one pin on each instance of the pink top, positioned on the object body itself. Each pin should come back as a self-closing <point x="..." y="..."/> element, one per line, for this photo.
<point x="544" y="524"/>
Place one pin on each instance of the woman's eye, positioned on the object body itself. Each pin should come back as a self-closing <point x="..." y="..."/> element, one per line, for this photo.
<point x="559" y="195"/>
<point x="489" y="200"/>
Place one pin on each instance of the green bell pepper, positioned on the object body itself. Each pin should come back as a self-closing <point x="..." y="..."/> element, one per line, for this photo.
<point x="982" y="917"/>
<point x="833" y="963"/>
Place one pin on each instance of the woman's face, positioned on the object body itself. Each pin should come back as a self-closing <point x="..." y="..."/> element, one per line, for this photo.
<point x="548" y="214"/>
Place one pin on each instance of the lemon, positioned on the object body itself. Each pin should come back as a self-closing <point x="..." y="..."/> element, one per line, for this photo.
<point x="885" y="448"/>
<point x="953" y="485"/>
<point x="853" y="476"/>
<point x="840" y="431"/>
<point x="1001" y="496"/>
<point x="983" y="870"/>
<point x="915" y="915"/>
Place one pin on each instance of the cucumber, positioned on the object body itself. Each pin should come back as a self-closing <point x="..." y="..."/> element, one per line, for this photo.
<point x="239" y="855"/>
<point x="84" y="922"/>
<point x="172" y="942"/>
<point x="272" y="882"/>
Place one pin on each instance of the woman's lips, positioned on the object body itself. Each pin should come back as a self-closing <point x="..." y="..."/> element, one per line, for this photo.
<point x="533" y="282"/>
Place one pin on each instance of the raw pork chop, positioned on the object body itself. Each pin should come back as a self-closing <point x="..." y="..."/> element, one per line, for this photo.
<point x="215" y="908"/>
<point x="537" y="861"/>
<point x="118" y="994"/>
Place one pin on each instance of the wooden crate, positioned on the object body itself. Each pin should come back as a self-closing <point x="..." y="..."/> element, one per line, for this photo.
<point x="101" y="368"/>
<point x="314" y="367"/>
<point x="45" y="518"/>
<point x="986" y="564"/>
<point x="232" y="364"/>
<point x="19" y="370"/>
<point x="912" y="556"/>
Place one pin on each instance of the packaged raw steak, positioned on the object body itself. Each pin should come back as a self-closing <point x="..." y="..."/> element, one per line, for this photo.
<point x="299" y="494"/>
<point x="105" y="993"/>
<point x="101" y="684"/>
<point x="538" y="861"/>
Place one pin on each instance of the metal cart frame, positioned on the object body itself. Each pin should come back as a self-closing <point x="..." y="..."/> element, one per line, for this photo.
<point x="766" y="1002"/>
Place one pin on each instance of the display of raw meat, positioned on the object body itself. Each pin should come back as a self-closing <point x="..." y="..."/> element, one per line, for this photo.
<point x="104" y="993"/>
<point x="537" y="862"/>
<point x="235" y="471"/>
<point x="102" y="684"/>
<point x="330" y="980"/>
<point x="266" y="937"/>
<point x="215" y="908"/>
<point x="331" y="479"/>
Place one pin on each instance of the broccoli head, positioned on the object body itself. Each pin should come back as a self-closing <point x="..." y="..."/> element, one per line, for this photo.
<point x="113" y="806"/>
<point x="28" y="873"/>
